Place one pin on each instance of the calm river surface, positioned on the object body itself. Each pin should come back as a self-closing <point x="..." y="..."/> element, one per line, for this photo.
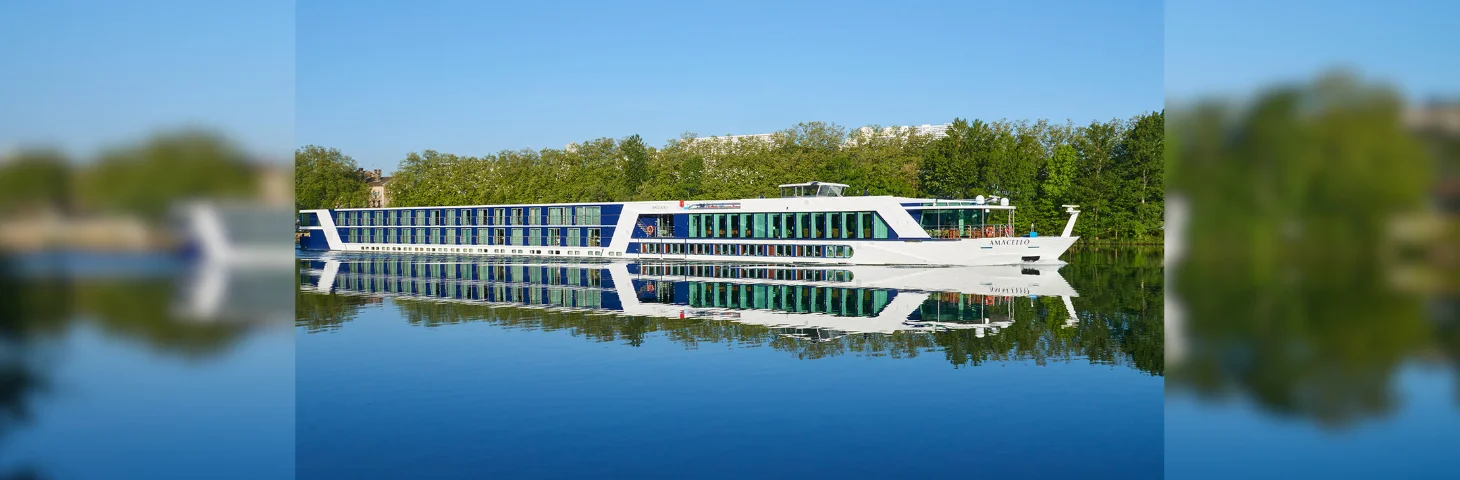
<point x="428" y="367"/>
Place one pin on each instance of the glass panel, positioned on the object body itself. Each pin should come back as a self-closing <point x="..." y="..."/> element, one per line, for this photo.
<point x="879" y="228"/>
<point x="694" y="226"/>
<point x="758" y="226"/>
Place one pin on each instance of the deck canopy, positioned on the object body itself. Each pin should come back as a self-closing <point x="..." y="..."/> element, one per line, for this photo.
<point x="812" y="189"/>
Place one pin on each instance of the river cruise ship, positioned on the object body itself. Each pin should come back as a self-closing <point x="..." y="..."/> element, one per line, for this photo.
<point x="811" y="223"/>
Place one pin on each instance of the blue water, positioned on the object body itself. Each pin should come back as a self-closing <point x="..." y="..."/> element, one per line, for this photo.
<point x="434" y="389"/>
<point x="114" y="410"/>
<point x="104" y="372"/>
<point x="1417" y="440"/>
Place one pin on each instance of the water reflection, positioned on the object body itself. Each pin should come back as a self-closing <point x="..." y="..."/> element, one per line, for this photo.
<point x="170" y="310"/>
<point x="1296" y="298"/>
<point x="971" y="315"/>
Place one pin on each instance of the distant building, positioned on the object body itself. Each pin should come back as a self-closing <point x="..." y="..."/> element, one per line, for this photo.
<point x="865" y="133"/>
<point x="1438" y="123"/>
<point x="377" y="182"/>
<point x="276" y="184"/>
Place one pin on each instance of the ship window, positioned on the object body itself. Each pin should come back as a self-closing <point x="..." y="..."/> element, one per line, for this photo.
<point x="818" y="225"/>
<point x="517" y="217"/>
<point x="555" y="216"/>
<point x="593" y="239"/>
<point x="879" y="228"/>
<point x="553" y="238"/>
<point x="694" y="226"/>
<point x="757" y="227"/>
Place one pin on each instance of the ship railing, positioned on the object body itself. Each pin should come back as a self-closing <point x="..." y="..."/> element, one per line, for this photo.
<point x="982" y="231"/>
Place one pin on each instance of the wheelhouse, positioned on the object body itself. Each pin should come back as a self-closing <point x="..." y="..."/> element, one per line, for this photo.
<point x="812" y="189"/>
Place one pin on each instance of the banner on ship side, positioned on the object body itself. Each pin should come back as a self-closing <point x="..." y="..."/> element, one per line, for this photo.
<point x="713" y="206"/>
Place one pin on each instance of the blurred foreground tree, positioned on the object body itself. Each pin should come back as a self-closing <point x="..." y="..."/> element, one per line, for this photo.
<point x="149" y="178"/>
<point x="1291" y="197"/>
<point x="35" y="179"/>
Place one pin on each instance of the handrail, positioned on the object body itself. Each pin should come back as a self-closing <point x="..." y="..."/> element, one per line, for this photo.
<point x="991" y="230"/>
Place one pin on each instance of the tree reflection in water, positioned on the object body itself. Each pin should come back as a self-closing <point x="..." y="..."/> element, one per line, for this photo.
<point x="38" y="311"/>
<point x="1286" y="286"/>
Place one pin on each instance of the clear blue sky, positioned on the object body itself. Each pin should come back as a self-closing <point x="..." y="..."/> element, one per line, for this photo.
<point x="378" y="80"/>
<point x="1233" y="47"/>
<point x="381" y="79"/>
<point x="83" y="75"/>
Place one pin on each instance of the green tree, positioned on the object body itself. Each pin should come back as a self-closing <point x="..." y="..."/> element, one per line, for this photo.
<point x="1140" y="157"/>
<point x="1054" y="190"/>
<point x="35" y="179"/>
<point x="149" y="178"/>
<point x="326" y="178"/>
<point x="636" y="162"/>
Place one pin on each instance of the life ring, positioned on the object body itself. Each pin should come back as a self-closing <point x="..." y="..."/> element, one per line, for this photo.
<point x="649" y="287"/>
<point x="988" y="300"/>
<point x="988" y="231"/>
<point x="649" y="230"/>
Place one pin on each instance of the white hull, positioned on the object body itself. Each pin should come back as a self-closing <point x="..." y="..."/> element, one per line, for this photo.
<point x="966" y="252"/>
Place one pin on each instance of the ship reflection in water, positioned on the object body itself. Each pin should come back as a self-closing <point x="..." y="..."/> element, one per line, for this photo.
<point x="873" y="310"/>
<point x="531" y="368"/>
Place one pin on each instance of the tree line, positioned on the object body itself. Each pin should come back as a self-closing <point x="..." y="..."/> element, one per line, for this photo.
<point x="145" y="178"/>
<point x="1113" y="169"/>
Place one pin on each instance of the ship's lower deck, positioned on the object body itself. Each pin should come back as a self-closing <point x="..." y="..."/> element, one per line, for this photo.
<point x="963" y="252"/>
